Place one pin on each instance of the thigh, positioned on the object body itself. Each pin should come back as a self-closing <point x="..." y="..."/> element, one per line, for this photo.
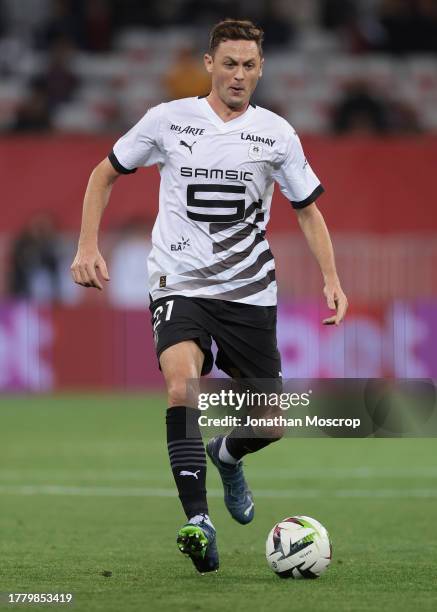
<point x="177" y="319"/>
<point x="181" y="366"/>
<point x="246" y="341"/>
<point x="182" y="360"/>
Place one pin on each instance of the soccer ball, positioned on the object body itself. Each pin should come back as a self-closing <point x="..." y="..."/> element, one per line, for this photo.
<point x="298" y="547"/>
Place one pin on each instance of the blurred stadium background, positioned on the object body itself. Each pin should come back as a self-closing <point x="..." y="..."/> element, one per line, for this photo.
<point x="357" y="79"/>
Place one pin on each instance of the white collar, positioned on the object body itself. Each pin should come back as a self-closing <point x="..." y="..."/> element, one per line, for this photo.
<point x="225" y="126"/>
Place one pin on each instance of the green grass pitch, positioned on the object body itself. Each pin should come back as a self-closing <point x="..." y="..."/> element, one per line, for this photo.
<point x="85" y="488"/>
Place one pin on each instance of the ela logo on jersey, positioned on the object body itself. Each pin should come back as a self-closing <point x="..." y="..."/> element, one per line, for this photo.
<point x="181" y="244"/>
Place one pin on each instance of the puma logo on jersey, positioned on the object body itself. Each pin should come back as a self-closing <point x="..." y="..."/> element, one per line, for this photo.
<point x="184" y="144"/>
<point x="187" y="473"/>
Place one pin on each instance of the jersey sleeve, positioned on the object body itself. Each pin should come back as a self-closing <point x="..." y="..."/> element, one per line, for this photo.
<point x="141" y="146"/>
<point x="294" y="175"/>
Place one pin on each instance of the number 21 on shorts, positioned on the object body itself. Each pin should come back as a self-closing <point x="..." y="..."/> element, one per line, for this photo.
<point x="158" y="312"/>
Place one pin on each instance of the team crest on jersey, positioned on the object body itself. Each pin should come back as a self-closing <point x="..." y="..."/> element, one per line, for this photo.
<point x="255" y="151"/>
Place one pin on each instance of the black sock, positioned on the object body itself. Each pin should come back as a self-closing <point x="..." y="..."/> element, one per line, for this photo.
<point x="187" y="454"/>
<point x="243" y="440"/>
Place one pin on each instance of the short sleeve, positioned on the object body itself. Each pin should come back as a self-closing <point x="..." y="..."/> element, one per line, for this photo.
<point x="294" y="175"/>
<point x="140" y="146"/>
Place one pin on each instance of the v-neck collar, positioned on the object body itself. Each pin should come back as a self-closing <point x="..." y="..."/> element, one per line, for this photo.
<point x="218" y="121"/>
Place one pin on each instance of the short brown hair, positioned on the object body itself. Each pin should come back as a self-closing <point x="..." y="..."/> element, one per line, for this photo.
<point x="234" y="29"/>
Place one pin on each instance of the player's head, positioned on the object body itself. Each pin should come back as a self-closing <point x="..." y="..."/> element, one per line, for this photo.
<point x="235" y="60"/>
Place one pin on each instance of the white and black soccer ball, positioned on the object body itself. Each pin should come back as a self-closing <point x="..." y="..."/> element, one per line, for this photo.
<point x="298" y="547"/>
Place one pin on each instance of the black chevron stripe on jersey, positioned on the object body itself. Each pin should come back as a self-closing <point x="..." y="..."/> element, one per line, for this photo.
<point x="249" y="272"/>
<point x="231" y="241"/>
<point x="254" y="206"/>
<point x="259" y="218"/>
<point x="214" y="228"/>
<point x="252" y="270"/>
<point x="250" y="289"/>
<point x="227" y="262"/>
<point x="241" y="234"/>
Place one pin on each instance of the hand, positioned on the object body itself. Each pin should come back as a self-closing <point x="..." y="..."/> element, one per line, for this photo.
<point x="337" y="301"/>
<point x="84" y="268"/>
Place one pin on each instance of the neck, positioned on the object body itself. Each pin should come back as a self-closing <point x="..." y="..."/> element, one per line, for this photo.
<point x="225" y="112"/>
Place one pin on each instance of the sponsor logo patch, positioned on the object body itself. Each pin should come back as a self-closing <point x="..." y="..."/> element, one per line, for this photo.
<point x="188" y="129"/>
<point x="255" y="138"/>
<point x="181" y="244"/>
<point x="189" y="146"/>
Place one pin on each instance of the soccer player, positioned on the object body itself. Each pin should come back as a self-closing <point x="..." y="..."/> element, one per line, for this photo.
<point x="211" y="272"/>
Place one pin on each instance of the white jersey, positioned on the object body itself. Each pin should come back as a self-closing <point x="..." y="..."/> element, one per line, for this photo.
<point x="217" y="181"/>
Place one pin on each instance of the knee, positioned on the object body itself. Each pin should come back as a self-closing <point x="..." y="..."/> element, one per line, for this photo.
<point x="177" y="393"/>
<point x="182" y="392"/>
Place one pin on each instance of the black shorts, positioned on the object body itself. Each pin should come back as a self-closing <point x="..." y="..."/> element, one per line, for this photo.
<point x="245" y="334"/>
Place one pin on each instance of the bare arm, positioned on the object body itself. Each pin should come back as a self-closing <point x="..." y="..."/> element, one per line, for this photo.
<point x="88" y="258"/>
<point x="316" y="233"/>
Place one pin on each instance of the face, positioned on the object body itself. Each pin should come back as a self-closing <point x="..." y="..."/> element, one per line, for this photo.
<point x="235" y="69"/>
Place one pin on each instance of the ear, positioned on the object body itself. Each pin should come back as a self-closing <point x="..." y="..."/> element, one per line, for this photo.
<point x="261" y="67"/>
<point x="208" y="60"/>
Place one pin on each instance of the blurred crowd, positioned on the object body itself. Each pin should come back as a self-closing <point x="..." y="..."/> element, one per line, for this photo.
<point x="393" y="26"/>
<point x="38" y="263"/>
<point x="95" y="65"/>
